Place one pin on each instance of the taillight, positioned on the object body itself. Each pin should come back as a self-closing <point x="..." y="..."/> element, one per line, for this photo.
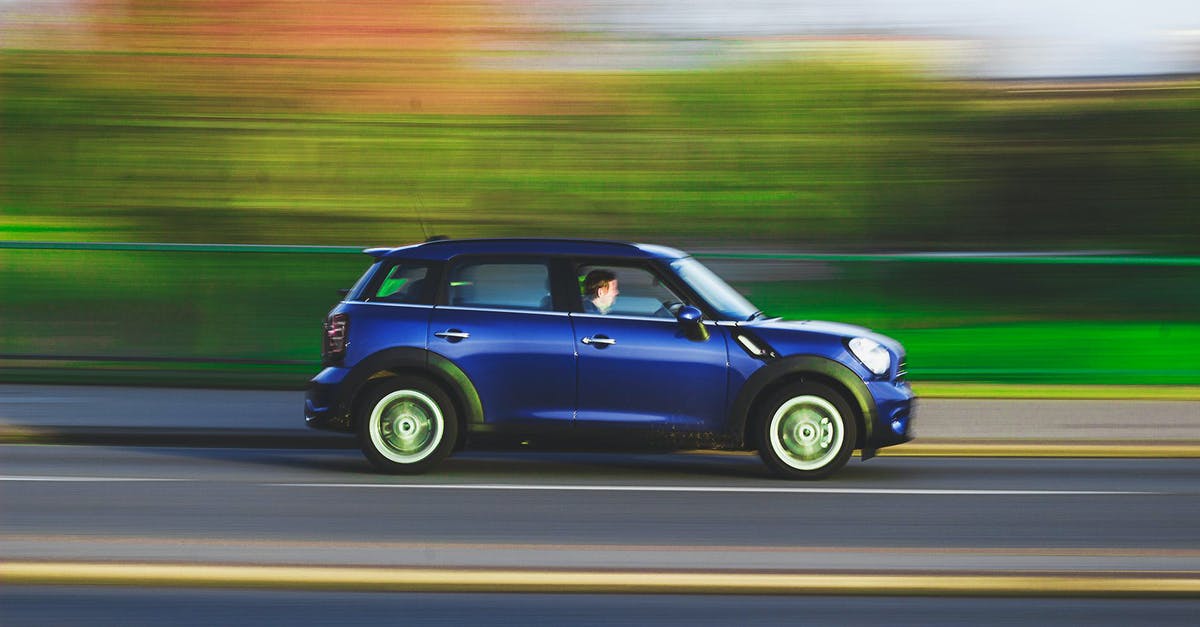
<point x="333" y="349"/>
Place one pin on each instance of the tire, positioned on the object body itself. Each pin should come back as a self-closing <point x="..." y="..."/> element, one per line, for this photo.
<point x="406" y="425"/>
<point x="806" y="431"/>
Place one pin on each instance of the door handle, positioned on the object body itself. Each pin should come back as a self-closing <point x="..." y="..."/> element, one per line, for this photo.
<point x="453" y="335"/>
<point x="599" y="340"/>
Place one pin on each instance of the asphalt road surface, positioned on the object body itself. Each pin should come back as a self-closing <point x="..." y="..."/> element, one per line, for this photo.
<point x="958" y="520"/>
<point x="553" y="510"/>
<point x="39" y="606"/>
<point x="125" y="532"/>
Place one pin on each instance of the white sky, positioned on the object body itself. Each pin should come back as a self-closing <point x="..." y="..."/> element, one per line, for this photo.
<point x="1026" y="38"/>
<point x="1013" y="37"/>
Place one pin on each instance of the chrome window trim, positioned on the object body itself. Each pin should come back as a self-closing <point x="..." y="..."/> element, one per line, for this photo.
<point x="709" y="323"/>
<point x="539" y="312"/>
<point x="379" y="303"/>
<point x="623" y="317"/>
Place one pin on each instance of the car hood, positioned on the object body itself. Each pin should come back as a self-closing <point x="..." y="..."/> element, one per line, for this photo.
<point x="776" y="331"/>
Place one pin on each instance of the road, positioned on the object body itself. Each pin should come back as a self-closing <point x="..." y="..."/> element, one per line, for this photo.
<point x="645" y="518"/>
<point x="704" y="538"/>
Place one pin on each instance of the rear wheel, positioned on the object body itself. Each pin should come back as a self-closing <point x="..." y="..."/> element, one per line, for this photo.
<point x="406" y="425"/>
<point x="806" y="431"/>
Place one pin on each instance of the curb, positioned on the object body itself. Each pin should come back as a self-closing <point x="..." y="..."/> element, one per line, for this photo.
<point x="1124" y="584"/>
<point x="167" y="437"/>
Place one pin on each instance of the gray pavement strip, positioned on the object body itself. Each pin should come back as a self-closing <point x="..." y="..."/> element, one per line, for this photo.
<point x="691" y="558"/>
<point x="273" y="419"/>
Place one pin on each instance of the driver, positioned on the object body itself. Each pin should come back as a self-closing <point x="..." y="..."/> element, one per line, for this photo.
<point x="599" y="291"/>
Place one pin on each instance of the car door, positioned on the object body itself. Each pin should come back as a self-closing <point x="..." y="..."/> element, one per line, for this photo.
<point x="497" y="323"/>
<point x="638" y="368"/>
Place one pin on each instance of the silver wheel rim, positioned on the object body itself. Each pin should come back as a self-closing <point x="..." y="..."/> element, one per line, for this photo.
<point x="807" y="432"/>
<point x="406" y="426"/>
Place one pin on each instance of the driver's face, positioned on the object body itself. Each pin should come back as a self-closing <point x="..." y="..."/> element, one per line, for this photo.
<point x="607" y="295"/>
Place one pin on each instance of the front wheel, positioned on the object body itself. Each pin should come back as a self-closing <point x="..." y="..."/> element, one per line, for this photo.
<point x="406" y="425"/>
<point x="806" y="431"/>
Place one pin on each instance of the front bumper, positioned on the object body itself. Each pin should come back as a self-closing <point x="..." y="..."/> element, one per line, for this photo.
<point x="895" y="409"/>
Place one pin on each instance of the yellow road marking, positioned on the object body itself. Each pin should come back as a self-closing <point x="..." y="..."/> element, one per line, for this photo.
<point x="950" y="448"/>
<point x="1171" y="584"/>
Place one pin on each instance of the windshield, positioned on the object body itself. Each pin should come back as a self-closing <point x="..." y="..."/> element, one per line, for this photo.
<point x="727" y="301"/>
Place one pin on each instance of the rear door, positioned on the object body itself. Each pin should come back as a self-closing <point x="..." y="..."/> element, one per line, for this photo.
<point x="499" y="326"/>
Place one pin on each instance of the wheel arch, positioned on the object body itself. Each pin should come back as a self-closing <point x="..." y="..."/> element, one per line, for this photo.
<point x="396" y="362"/>
<point x="798" y="368"/>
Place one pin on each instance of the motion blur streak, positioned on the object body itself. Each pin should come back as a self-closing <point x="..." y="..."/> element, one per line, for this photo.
<point x="359" y="122"/>
<point x="709" y="127"/>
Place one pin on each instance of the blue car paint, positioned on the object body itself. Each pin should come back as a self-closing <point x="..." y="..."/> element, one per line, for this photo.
<point x="652" y="375"/>
<point x="525" y="370"/>
<point x="520" y="362"/>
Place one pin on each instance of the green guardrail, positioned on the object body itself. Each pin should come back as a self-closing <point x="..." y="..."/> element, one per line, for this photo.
<point x="230" y="314"/>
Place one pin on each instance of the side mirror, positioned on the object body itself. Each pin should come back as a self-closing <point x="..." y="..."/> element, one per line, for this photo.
<point x="344" y="292"/>
<point x="692" y="322"/>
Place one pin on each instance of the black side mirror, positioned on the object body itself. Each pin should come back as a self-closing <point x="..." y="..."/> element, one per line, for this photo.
<point x="692" y="322"/>
<point x="344" y="292"/>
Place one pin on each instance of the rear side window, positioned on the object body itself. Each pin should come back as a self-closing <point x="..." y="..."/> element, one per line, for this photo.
<point x="500" y="285"/>
<point x="404" y="282"/>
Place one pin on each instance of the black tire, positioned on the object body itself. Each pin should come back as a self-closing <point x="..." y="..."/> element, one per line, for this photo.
<point x="406" y="425"/>
<point x="806" y="431"/>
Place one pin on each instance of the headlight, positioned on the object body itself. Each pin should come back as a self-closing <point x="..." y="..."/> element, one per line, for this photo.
<point x="872" y="354"/>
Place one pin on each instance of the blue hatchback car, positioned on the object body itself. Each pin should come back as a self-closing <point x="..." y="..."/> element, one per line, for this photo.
<point x="451" y="343"/>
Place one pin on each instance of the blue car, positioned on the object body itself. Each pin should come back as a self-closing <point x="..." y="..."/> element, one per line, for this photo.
<point x="455" y="343"/>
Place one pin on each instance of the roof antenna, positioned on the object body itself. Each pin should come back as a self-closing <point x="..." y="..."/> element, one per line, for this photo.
<point x="421" y="220"/>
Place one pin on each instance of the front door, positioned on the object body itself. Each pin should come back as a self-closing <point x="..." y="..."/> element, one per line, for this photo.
<point x="637" y="367"/>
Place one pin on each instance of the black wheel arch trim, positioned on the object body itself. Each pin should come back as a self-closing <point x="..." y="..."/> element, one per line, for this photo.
<point x="794" y="368"/>
<point x="419" y="361"/>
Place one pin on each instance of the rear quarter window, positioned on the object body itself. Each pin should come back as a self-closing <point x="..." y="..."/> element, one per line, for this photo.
<point x="402" y="282"/>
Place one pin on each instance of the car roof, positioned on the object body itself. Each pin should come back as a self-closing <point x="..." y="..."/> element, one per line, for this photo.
<point x="443" y="249"/>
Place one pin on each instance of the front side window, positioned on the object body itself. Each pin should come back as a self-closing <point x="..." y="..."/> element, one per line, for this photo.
<point x="500" y="285"/>
<point x="625" y="291"/>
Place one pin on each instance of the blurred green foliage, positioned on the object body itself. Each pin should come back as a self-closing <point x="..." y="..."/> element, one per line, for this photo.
<point x="816" y="155"/>
<point x="821" y="155"/>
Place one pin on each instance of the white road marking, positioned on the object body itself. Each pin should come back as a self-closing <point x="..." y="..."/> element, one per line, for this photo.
<point x="713" y="489"/>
